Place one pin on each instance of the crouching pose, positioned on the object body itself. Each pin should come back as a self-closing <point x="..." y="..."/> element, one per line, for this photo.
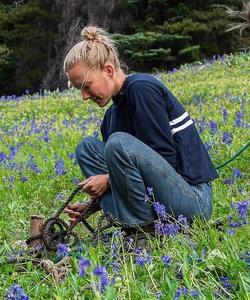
<point x="148" y="140"/>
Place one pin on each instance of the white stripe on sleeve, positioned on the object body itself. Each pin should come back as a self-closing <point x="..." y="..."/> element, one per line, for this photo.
<point x="185" y="125"/>
<point x="179" y="119"/>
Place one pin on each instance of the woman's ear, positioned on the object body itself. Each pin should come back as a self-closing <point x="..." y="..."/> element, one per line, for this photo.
<point x="109" y="70"/>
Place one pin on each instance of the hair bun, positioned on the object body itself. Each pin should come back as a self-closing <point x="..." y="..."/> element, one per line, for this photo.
<point x="92" y="33"/>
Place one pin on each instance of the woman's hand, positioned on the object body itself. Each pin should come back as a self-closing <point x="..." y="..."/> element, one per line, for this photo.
<point x="75" y="210"/>
<point x="96" y="185"/>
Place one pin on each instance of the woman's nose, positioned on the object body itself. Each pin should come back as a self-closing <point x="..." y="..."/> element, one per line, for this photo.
<point x="85" y="95"/>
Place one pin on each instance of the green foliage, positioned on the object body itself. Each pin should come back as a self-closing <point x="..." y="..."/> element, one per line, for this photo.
<point x="26" y="31"/>
<point x="202" y="25"/>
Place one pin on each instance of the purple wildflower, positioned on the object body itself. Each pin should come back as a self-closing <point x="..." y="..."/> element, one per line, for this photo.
<point x="238" y="119"/>
<point x="75" y="180"/>
<point x="23" y="178"/>
<point x="83" y="264"/>
<point x="171" y="229"/>
<point x="158" y="295"/>
<point x="60" y="167"/>
<point x="224" y="114"/>
<point x="228" y="181"/>
<point x="236" y="173"/>
<point x="167" y="260"/>
<point x="181" y="291"/>
<point x="242" y="208"/>
<point x="160" y="210"/>
<point x="104" y="282"/>
<point x="194" y="293"/>
<point x="118" y="233"/>
<point x="150" y="191"/>
<point x="142" y="257"/>
<point x="226" y="138"/>
<point x="114" y="248"/>
<point x="32" y="165"/>
<point x="159" y="228"/>
<point x="101" y="272"/>
<point x="62" y="250"/>
<point x="213" y="127"/>
<point x="183" y="221"/>
<point x="15" y="292"/>
<point x="226" y="283"/>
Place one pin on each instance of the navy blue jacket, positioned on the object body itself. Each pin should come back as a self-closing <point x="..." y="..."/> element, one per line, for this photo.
<point x="146" y="109"/>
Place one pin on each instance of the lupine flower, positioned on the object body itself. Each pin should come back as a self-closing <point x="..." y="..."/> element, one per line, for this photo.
<point x="83" y="264"/>
<point x="226" y="138"/>
<point x="228" y="181"/>
<point x="62" y="250"/>
<point x="171" y="229"/>
<point x="159" y="227"/>
<point x="75" y="180"/>
<point x="181" y="291"/>
<point x="142" y="257"/>
<point x="213" y="127"/>
<point x="236" y="173"/>
<point x="246" y="258"/>
<point x="32" y="165"/>
<point x="60" y="167"/>
<point x="114" y="248"/>
<point x="194" y="293"/>
<point x="150" y="191"/>
<point x="236" y="222"/>
<point x="15" y="292"/>
<point x="224" y="114"/>
<point x="158" y="295"/>
<point x="101" y="272"/>
<point x="238" y="119"/>
<point x="118" y="233"/>
<point x="160" y="210"/>
<point x="183" y="221"/>
<point x="23" y="178"/>
<point x="167" y="260"/>
<point x="242" y="208"/>
<point x="226" y="283"/>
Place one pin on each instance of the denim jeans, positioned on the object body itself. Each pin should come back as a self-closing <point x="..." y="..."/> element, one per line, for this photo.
<point x="132" y="167"/>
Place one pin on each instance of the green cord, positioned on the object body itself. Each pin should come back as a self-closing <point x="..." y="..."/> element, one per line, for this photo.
<point x="233" y="157"/>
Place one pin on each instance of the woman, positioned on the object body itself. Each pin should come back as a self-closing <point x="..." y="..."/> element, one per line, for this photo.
<point x="149" y="140"/>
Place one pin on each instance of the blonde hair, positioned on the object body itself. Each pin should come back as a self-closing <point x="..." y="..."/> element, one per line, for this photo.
<point x="95" y="49"/>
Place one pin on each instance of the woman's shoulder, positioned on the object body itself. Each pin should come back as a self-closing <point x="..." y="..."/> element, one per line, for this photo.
<point x="142" y="80"/>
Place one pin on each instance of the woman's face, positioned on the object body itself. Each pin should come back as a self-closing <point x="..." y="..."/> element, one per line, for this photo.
<point x="97" y="85"/>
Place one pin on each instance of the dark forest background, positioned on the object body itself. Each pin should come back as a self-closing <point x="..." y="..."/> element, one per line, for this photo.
<point x="153" y="35"/>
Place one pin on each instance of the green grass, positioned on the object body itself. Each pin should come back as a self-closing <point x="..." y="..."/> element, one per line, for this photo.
<point x="205" y="89"/>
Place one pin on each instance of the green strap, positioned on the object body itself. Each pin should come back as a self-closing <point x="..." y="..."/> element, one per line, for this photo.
<point x="233" y="157"/>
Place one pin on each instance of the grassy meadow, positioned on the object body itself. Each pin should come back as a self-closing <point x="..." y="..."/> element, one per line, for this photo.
<point x="38" y="135"/>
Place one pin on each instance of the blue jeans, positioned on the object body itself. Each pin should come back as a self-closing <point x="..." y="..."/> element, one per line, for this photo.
<point x="132" y="167"/>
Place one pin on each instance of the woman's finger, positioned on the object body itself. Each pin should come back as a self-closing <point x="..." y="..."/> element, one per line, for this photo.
<point x="72" y="212"/>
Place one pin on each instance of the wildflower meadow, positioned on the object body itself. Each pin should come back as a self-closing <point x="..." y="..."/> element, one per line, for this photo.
<point x="203" y="260"/>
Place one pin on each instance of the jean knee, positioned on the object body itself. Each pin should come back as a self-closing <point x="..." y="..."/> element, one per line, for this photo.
<point x="84" y="146"/>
